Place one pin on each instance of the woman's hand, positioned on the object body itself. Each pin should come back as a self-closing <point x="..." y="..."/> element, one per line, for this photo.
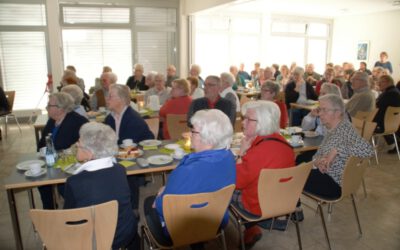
<point x="324" y="162"/>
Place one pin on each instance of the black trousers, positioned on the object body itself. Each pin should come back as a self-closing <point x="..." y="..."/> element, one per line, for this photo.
<point x="322" y="185"/>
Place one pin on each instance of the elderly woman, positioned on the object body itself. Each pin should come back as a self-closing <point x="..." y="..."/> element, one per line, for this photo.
<point x="329" y="74"/>
<point x="99" y="97"/>
<point x="100" y="180"/>
<point x="227" y="82"/>
<point x="298" y="91"/>
<point x="210" y="168"/>
<point x="63" y="125"/>
<point x="262" y="147"/>
<point x="269" y="92"/>
<point x="284" y="77"/>
<point x="340" y="143"/>
<point x="195" y="91"/>
<point x="195" y="71"/>
<point x="138" y="80"/>
<point x="77" y="95"/>
<point x="159" y="90"/>
<point x="178" y="104"/>
<point x="151" y="79"/>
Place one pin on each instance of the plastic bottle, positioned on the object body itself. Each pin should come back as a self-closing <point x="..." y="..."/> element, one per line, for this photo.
<point x="51" y="154"/>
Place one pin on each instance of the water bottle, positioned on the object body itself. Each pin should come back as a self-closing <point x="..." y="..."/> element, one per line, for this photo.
<point x="50" y="152"/>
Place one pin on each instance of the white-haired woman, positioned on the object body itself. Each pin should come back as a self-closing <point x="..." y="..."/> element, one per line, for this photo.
<point x="262" y="147"/>
<point x="100" y="180"/>
<point x="159" y="90"/>
<point x="270" y="92"/>
<point x="63" y="125"/>
<point x="77" y="95"/>
<point x="210" y="168"/>
<point x="340" y="143"/>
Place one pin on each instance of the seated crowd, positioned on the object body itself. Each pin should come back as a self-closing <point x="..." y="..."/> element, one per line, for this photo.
<point x="211" y="107"/>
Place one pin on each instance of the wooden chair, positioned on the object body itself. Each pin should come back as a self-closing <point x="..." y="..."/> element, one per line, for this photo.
<point x="192" y="218"/>
<point x="392" y="124"/>
<point x="351" y="180"/>
<point x="10" y="95"/>
<point x="177" y="124"/>
<point x="278" y="193"/>
<point x="81" y="228"/>
<point x="154" y="125"/>
<point x="366" y="115"/>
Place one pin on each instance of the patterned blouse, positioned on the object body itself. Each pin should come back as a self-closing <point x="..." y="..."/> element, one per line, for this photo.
<point x="347" y="142"/>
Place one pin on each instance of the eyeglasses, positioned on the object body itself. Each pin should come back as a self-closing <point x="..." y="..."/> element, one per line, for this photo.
<point x="51" y="105"/>
<point x="210" y="85"/>
<point x="249" y="119"/>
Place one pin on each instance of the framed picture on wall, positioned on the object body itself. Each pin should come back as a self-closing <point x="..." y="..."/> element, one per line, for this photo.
<point x="362" y="50"/>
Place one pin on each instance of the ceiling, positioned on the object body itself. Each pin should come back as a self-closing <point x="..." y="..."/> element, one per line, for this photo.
<point x="318" y="8"/>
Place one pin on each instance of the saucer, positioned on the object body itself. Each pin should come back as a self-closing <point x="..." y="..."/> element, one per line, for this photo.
<point x="133" y="145"/>
<point x="178" y="157"/>
<point x="28" y="173"/>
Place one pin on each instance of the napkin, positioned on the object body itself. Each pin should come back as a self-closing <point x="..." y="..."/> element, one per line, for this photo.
<point x="166" y="151"/>
<point x="150" y="147"/>
<point x="127" y="163"/>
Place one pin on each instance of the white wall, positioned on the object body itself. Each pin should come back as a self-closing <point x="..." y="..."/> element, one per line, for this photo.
<point x="380" y="29"/>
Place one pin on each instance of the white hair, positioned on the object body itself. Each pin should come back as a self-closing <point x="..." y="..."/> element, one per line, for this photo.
<point x="99" y="139"/>
<point x="228" y="77"/>
<point x="330" y="88"/>
<point x="268" y="116"/>
<point x="214" y="126"/>
<point x="75" y="92"/>
<point x="64" y="101"/>
<point x="335" y="101"/>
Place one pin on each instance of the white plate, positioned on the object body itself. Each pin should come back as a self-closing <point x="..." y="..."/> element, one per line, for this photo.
<point x="143" y="111"/>
<point x="25" y="165"/>
<point x="297" y="144"/>
<point x="310" y="134"/>
<point x="160" y="159"/>
<point x="130" y="146"/>
<point x="149" y="143"/>
<point x="130" y="157"/>
<point x="71" y="168"/>
<point x="172" y="146"/>
<point x="29" y="173"/>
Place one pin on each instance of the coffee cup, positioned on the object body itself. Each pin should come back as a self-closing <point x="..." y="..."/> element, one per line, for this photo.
<point x="296" y="139"/>
<point x="102" y="109"/>
<point x="127" y="142"/>
<point x="179" y="153"/>
<point x="35" y="168"/>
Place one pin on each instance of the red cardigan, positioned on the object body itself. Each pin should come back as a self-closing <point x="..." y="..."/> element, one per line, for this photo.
<point x="261" y="154"/>
<point x="176" y="106"/>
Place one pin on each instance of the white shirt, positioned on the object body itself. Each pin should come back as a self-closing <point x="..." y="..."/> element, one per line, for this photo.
<point x="197" y="93"/>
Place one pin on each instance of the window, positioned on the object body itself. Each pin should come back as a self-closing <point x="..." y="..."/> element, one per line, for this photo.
<point x="23" y="56"/>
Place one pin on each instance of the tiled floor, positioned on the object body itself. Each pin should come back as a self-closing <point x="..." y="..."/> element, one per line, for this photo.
<point x="379" y="212"/>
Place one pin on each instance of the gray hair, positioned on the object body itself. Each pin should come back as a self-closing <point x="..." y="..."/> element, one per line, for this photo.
<point x="330" y="88"/>
<point x="216" y="79"/>
<point x="335" y="101"/>
<point x="64" y="101"/>
<point x="151" y="75"/>
<point x="123" y="92"/>
<point x="196" y="67"/>
<point x="361" y="76"/>
<point x="112" y="76"/>
<point x="138" y="66"/>
<point x="75" y="92"/>
<point x="298" y="70"/>
<point x="268" y="116"/>
<point x="99" y="139"/>
<point x="215" y="128"/>
<point x="160" y="76"/>
<point x="228" y="77"/>
<point x="272" y="86"/>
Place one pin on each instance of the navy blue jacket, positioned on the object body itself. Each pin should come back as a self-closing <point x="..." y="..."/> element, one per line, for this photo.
<point x="389" y="97"/>
<point x="222" y="104"/>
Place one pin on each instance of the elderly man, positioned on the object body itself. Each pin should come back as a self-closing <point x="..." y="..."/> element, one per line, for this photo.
<point x="138" y="80"/>
<point x="98" y="98"/>
<point x="171" y="75"/>
<point x="127" y="124"/>
<point x="239" y="80"/>
<point x="310" y="76"/>
<point x="227" y="81"/>
<point x="159" y="89"/>
<point x="390" y="97"/>
<point x="195" y="71"/>
<point x="243" y="73"/>
<point x="212" y="100"/>
<point x="363" y="99"/>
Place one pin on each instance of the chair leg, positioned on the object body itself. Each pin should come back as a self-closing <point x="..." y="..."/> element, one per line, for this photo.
<point x="364" y="187"/>
<point x="396" y="145"/>
<point x="223" y="239"/>
<point x="356" y="213"/>
<point x="16" y="120"/>
<point x="296" y="222"/>
<point x="324" y="224"/>
<point x="142" y="238"/>
<point x="376" y="153"/>
<point x="241" y="234"/>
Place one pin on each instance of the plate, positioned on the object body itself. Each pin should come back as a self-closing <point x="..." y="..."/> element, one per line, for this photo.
<point x="297" y="144"/>
<point x="25" y="165"/>
<point x="172" y="146"/>
<point x="149" y="143"/>
<point x="123" y="155"/>
<point x="134" y="145"/>
<point x="143" y="112"/>
<point x="310" y="134"/>
<point x="178" y="157"/>
<point x="311" y="102"/>
<point x="29" y="173"/>
<point x="71" y="168"/>
<point x="160" y="159"/>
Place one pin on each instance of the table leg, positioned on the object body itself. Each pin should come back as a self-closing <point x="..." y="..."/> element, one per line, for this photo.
<point x="14" y="219"/>
<point x="31" y="199"/>
<point x="164" y="177"/>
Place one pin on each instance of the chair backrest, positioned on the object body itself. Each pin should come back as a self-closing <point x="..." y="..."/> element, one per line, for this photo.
<point x="364" y="128"/>
<point x="352" y="175"/>
<point x="195" y="217"/>
<point x="77" y="228"/>
<point x="279" y="189"/>
<point x="10" y="95"/>
<point x="177" y="124"/>
<point x="154" y="125"/>
<point x="392" y="119"/>
<point x="366" y="115"/>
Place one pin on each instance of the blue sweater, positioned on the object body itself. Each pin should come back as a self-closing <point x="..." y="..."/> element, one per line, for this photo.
<point x="132" y="126"/>
<point x="96" y="187"/>
<point x="206" y="171"/>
